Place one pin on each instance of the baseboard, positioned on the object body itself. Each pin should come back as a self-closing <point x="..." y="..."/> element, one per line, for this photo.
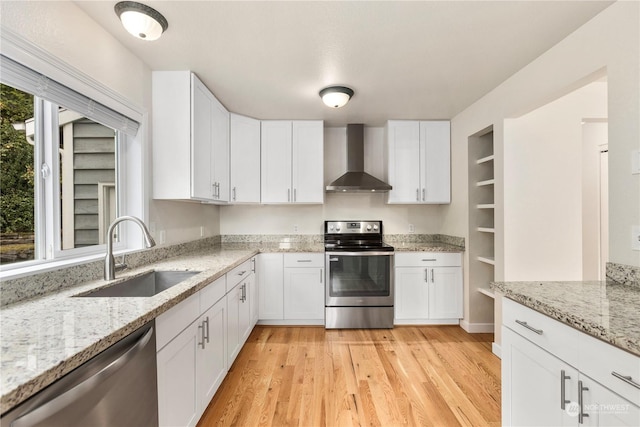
<point x="477" y="328"/>
<point x="497" y="350"/>
<point x="401" y="322"/>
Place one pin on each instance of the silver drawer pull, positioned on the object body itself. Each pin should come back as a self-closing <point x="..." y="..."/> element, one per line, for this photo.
<point x="626" y="379"/>
<point x="242" y="273"/>
<point x="304" y="260"/>
<point x="531" y="328"/>
<point x="430" y="259"/>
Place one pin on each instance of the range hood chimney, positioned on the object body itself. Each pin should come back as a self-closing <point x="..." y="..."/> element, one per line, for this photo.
<point x="356" y="180"/>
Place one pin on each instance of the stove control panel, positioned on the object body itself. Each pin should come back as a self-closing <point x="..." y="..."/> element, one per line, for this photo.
<point x="353" y="227"/>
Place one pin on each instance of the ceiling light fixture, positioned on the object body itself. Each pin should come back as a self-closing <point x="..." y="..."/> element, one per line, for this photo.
<point x="336" y="96"/>
<point x="140" y="20"/>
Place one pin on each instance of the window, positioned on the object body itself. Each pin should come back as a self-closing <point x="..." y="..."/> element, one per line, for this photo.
<point x="61" y="169"/>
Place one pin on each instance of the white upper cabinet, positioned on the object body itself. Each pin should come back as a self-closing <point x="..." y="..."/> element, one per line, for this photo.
<point x="419" y="161"/>
<point x="245" y="159"/>
<point x="190" y="140"/>
<point x="292" y="161"/>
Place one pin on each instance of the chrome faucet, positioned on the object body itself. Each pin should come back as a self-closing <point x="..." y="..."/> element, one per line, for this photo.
<point x="109" y="262"/>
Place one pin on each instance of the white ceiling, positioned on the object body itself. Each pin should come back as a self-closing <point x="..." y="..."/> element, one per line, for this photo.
<point x="405" y="60"/>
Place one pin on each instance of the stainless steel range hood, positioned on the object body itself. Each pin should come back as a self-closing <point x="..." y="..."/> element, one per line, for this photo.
<point x="356" y="180"/>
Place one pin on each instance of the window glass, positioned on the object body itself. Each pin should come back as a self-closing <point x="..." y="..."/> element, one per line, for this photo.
<point x="17" y="195"/>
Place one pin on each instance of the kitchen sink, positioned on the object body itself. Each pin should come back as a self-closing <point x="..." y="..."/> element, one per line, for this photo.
<point x="146" y="285"/>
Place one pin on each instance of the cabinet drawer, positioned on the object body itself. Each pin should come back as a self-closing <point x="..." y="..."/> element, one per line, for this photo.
<point x="428" y="259"/>
<point x="304" y="260"/>
<point x="599" y="360"/>
<point x="212" y="293"/>
<point x="556" y="338"/>
<point x="173" y="321"/>
<point x="236" y="275"/>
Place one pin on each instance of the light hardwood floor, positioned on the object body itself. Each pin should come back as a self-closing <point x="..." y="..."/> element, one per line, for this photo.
<point x="409" y="375"/>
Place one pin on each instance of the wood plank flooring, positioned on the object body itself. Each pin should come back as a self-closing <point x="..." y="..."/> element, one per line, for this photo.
<point x="406" y="376"/>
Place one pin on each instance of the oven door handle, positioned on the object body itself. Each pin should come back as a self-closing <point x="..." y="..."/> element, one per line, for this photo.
<point x="362" y="253"/>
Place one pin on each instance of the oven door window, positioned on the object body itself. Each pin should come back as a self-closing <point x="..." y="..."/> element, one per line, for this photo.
<point x="359" y="276"/>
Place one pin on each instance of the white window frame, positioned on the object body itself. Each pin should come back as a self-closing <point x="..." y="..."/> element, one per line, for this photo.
<point x="130" y="157"/>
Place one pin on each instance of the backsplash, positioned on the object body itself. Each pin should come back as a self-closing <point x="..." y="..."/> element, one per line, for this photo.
<point x="625" y="274"/>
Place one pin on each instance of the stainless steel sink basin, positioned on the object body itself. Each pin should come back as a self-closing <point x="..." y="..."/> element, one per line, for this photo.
<point x="146" y="285"/>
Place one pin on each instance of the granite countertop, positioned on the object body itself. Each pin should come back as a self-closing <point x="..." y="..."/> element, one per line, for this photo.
<point x="44" y="338"/>
<point x="606" y="310"/>
<point x="425" y="247"/>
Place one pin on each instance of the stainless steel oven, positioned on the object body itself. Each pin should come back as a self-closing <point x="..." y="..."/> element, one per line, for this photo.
<point x="359" y="285"/>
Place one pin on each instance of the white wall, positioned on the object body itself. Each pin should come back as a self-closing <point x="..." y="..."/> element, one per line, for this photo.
<point x="543" y="180"/>
<point x="610" y="41"/>
<point x="309" y="219"/>
<point x="66" y="32"/>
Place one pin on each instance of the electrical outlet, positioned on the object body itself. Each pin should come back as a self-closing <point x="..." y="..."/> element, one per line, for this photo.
<point x="412" y="229"/>
<point x="202" y="231"/>
<point x="295" y="228"/>
<point x="635" y="238"/>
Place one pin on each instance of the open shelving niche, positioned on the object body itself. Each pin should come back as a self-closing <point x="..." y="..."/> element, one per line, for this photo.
<point x="482" y="210"/>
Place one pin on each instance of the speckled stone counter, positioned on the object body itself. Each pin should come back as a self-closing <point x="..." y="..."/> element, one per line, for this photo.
<point x="426" y="247"/>
<point x="45" y="338"/>
<point x="606" y="310"/>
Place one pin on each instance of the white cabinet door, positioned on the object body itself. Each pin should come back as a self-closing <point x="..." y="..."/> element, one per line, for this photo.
<point x="435" y="162"/>
<point x="404" y="161"/>
<point x="244" y="312"/>
<point x="445" y="293"/>
<point x="605" y="408"/>
<point x="202" y="128"/>
<point x="276" y="161"/>
<point x="308" y="162"/>
<point x="304" y="293"/>
<point x="271" y="286"/>
<point x="233" y="325"/>
<point x="412" y="293"/>
<point x="532" y="385"/>
<point x="219" y="150"/>
<point x="245" y="159"/>
<point x="211" y="360"/>
<point x="177" y="380"/>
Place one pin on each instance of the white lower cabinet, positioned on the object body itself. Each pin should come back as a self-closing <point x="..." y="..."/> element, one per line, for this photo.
<point x="271" y="293"/>
<point x="304" y="286"/>
<point x="428" y="288"/>
<point x="191" y="366"/>
<point x="239" y="318"/>
<point x="541" y="388"/>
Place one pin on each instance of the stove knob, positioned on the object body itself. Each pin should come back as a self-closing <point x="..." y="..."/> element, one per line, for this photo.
<point x="368" y="227"/>
<point x="375" y="227"/>
<point x="337" y="228"/>
<point x="331" y="227"/>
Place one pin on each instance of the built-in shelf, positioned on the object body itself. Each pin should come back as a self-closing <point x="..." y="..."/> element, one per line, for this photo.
<point x="487" y="292"/>
<point x="487" y="182"/>
<point x="487" y="260"/>
<point x="486" y="206"/>
<point x="485" y="159"/>
<point x="486" y="230"/>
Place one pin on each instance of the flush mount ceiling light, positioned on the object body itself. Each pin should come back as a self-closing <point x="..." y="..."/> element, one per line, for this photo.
<point x="140" y="20"/>
<point x="336" y="96"/>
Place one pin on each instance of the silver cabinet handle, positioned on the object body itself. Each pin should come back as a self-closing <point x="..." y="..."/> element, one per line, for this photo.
<point x="426" y="275"/>
<point x="627" y="379"/>
<point x="54" y="405"/>
<point x="581" y="414"/>
<point x="417" y="194"/>
<point x="253" y="265"/>
<point x="321" y="275"/>
<point x="531" y="328"/>
<point x="242" y="273"/>
<point x="201" y="328"/>
<point x="429" y="259"/>
<point x="563" y="378"/>
<point x="303" y="260"/>
<point x="432" y="281"/>
<point x="423" y="196"/>
<point x="234" y="194"/>
<point x="294" y="195"/>
<point x="207" y="322"/>
<point x="213" y="193"/>
<point x="244" y="292"/>
<point x="288" y="194"/>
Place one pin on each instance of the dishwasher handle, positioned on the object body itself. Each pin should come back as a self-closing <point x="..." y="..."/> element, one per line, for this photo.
<point x="65" y="399"/>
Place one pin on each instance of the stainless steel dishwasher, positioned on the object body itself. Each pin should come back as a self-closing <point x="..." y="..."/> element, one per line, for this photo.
<point x="118" y="387"/>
